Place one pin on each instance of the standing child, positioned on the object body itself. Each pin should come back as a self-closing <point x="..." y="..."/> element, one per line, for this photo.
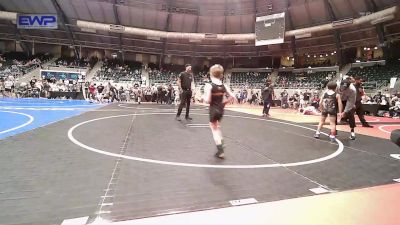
<point x="328" y="106"/>
<point x="214" y="93"/>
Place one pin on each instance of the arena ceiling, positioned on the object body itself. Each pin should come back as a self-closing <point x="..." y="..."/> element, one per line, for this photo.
<point x="203" y="16"/>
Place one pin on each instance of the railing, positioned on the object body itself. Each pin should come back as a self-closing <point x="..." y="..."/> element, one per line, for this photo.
<point x="370" y="85"/>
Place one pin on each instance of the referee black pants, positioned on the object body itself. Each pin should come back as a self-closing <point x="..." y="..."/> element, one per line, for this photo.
<point x="360" y="113"/>
<point x="186" y="96"/>
<point x="350" y="115"/>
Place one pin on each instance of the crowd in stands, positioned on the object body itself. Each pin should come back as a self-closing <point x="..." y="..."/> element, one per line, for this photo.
<point x="16" y="64"/>
<point x="389" y="104"/>
<point x="250" y="79"/>
<point x="111" y="92"/>
<point x="325" y="63"/>
<point x="376" y="75"/>
<point x="162" y="76"/>
<point x="38" y="88"/>
<point x="73" y="62"/>
<point x="298" y="100"/>
<point x="316" y="80"/>
<point x="115" y="70"/>
<point x="169" y="74"/>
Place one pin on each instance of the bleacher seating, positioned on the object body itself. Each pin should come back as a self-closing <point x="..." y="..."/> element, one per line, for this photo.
<point x="249" y="79"/>
<point x="72" y="62"/>
<point x="314" y="80"/>
<point x="17" y="64"/>
<point x="116" y="71"/>
<point x="377" y="74"/>
<point x="162" y="76"/>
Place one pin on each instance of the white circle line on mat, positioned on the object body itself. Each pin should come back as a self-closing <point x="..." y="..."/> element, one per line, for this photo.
<point x="381" y="127"/>
<point x="155" y="109"/>
<point x="75" y="141"/>
<point x="31" y="119"/>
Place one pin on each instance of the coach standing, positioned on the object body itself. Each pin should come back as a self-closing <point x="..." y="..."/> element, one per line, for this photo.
<point x="185" y="80"/>
<point x="359" y="109"/>
<point x="348" y="96"/>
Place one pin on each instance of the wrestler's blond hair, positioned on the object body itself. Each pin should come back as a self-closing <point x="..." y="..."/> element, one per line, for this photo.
<point x="217" y="71"/>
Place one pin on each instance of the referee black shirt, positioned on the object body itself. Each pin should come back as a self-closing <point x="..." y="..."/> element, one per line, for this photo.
<point x="186" y="80"/>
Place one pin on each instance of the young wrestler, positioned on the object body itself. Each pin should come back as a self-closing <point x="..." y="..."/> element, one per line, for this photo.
<point x="214" y="93"/>
<point x="328" y="107"/>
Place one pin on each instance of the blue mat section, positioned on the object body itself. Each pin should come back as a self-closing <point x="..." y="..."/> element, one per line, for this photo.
<point x="21" y="115"/>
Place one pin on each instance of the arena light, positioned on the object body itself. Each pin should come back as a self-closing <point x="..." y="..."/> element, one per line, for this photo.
<point x="326" y="55"/>
<point x="332" y="53"/>
<point x="365" y="48"/>
<point x="376" y="48"/>
<point x="306" y="35"/>
<point x="154" y="38"/>
<point x="88" y="30"/>
<point x="210" y="36"/>
<point x="315" y="56"/>
<point x="308" y="56"/>
<point x="241" y="41"/>
<point x="342" y="23"/>
<point x="382" y="19"/>
<point x="194" y="40"/>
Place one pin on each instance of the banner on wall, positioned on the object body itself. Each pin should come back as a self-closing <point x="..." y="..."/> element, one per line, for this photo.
<point x="37" y="21"/>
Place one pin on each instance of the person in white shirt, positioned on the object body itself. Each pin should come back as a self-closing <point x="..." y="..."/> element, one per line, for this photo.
<point x="8" y="86"/>
<point x="383" y="101"/>
<point x="2" y="87"/>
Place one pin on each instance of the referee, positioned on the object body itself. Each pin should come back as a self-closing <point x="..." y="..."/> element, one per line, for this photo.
<point x="185" y="80"/>
<point x="359" y="109"/>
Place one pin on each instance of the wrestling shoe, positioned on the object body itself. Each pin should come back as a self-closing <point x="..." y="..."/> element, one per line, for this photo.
<point x="220" y="153"/>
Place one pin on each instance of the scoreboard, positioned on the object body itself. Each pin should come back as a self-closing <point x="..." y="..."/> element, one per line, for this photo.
<point x="270" y="29"/>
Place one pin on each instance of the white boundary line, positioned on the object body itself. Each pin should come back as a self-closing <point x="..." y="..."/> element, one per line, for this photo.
<point x="72" y="138"/>
<point x="395" y="156"/>
<point x="123" y="105"/>
<point x="20" y="126"/>
<point x="45" y="108"/>
<point x="52" y="106"/>
<point x="381" y="127"/>
<point x="49" y="105"/>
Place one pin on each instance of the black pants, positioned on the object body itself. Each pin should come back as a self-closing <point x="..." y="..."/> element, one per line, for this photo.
<point x="185" y="99"/>
<point x="267" y="106"/>
<point x="360" y="113"/>
<point x="114" y="97"/>
<point x="350" y="116"/>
